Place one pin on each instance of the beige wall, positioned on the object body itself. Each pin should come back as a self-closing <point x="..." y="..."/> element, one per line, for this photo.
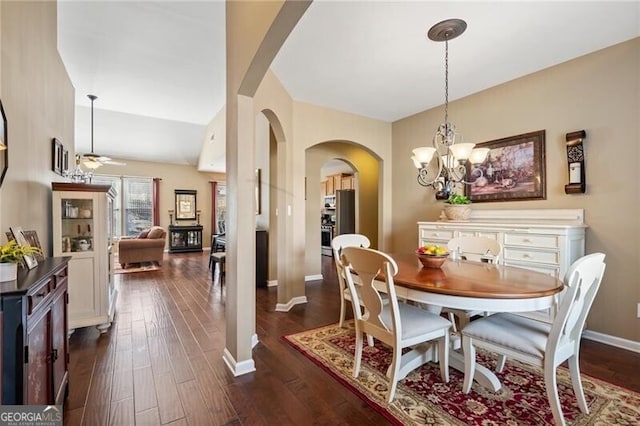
<point x="174" y="176"/>
<point x="38" y="99"/>
<point x="599" y="93"/>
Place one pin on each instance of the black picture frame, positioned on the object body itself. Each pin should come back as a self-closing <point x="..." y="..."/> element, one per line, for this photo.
<point x="514" y="170"/>
<point x="57" y="156"/>
<point x="4" y="146"/>
<point x="185" y="204"/>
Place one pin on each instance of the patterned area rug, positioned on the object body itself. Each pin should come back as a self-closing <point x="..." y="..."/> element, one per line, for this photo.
<point x="135" y="267"/>
<point x="422" y="398"/>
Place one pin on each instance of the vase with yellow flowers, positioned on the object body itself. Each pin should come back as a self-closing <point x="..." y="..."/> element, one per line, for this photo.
<point x="11" y="254"/>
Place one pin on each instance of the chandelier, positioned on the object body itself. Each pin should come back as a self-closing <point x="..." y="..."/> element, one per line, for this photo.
<point x="443" y="166"/>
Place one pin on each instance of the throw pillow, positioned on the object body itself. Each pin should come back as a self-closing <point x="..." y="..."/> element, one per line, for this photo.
<point x="156" y="232"/>
<point x="143" y="234"/>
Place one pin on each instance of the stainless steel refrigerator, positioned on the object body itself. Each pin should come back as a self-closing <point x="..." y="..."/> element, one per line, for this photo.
<point x="345" y="211"/>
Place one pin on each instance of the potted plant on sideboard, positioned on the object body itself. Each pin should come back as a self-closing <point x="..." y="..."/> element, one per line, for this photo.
<point x="11" y="254"/>
<point x="457" y="207"/>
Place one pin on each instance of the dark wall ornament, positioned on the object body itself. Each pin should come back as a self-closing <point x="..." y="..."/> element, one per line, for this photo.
<point x="4" y="145"/>
<point x="575" y="159"/>
<point x="57" y="157"/>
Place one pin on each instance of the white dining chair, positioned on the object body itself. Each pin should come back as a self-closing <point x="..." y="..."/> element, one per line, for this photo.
<point x="337" y="245"/>
<point x="538" y="343"/>
<point x="477" y="249"/>
<point x="398" y="325"/>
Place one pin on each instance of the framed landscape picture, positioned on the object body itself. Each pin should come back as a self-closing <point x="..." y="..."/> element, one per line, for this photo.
<point x="513" y="170"/>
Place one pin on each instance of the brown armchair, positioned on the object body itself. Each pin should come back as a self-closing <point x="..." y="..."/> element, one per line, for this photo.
<point x="147" y="247"/>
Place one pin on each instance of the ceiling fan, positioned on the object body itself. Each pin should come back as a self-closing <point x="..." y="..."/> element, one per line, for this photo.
<point x="93" y="160"/>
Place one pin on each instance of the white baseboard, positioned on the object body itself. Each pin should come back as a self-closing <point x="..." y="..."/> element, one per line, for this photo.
<point x="272" y="283"/>
<point x="254" y="341"/>
<point x="285" y="307"/>
<point x="618" y="342"/>
<point x="312" y="277"/>
<point x="238" y="368"/>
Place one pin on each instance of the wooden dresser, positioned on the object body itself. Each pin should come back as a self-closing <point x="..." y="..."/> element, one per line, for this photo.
<point x="35" y="349"/>
<point x="544" y="240"/>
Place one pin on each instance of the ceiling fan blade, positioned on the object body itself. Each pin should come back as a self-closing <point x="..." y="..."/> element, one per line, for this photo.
<point x="114" y="163"/>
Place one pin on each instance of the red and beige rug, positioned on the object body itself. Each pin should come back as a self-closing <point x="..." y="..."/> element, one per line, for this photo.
<point x="422" y="398"/>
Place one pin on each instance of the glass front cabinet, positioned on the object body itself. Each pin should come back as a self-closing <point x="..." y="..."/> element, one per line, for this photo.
<point x="82" y="230"/>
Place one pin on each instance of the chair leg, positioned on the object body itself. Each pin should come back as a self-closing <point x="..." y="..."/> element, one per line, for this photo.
<point x="574" y="369"/>
<point x="443" y="352"/>
<point x="502" y="359"/>
<point x="370" y="340"/>
<point x="358" y="354"/>
<point x="342" y="311"/>
<point x="394" y="369"/>
<point x="551" y="386"/>
<point x="469" y="363"/>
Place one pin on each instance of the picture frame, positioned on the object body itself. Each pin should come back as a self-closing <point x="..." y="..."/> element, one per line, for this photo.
<point x="258" y="191"/>
<point x="514" y="170"/>
<point x="18" y="234"/>
<point x="57" y="156"/>
<point x="4" y="145"/>
<point x="65" y="161"/>
<point x="32" y="238"/>
<point x="185" y="204"/>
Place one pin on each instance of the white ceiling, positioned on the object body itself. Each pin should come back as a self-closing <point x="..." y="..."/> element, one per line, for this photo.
<point x="166" y="60"/>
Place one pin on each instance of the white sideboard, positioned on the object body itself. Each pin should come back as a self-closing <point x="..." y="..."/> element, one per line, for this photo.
<point x="544" y="240"/>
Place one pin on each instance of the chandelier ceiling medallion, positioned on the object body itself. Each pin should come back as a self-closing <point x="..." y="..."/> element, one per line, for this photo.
<point x="443" y="166"/>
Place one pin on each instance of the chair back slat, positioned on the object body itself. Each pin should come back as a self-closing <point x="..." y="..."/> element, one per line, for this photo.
<point x="369" y="264"/>
<point x="339" y="243"/>
<point x="582" y="282"/>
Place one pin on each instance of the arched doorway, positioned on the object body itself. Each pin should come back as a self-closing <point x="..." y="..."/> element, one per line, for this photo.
<point x="365" y="168"/>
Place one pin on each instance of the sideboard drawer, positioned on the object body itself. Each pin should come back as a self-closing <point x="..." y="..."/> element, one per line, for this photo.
<point x="37" y="295"/>
<point x="522" y="255"/>
<point x="531" y="240"/>
<point x="436" y="234"/>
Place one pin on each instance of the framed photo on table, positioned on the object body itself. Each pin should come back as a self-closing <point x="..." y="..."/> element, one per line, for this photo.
<point x="513" y="170"/>
<point x="18" y="234"/>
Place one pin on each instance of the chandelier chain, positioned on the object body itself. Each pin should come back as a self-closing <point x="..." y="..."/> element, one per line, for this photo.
<point x="446" y="82"/>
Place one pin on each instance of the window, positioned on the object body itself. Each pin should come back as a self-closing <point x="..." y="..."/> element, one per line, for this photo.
<point x="133" y="206"/>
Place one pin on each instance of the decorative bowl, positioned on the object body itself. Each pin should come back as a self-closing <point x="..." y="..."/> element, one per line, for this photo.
<point x="432" y="260"/>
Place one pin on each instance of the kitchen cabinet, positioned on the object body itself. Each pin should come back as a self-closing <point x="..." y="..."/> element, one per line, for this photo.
<point x="185" y="238"/>
<point x="335" y="183"/>
<point x="346" y="182"/>
<point x="544" y="240"/>
<point x="35" y="348"/>
<point x="82" y="215"/>
<point x="330" y="186"/>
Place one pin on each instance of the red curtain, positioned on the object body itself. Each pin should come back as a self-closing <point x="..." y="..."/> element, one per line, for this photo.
<point x="156" y="201"/>
<point x="214" y="191"/>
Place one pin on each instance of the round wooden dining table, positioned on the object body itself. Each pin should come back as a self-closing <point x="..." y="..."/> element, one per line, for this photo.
<point x="470" y="285"/>
<point x="462" y="284"/>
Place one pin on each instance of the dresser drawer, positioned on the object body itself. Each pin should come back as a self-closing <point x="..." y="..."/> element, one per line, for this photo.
<point x="531" y="240"/>
<point x="523" y="255"/>
<point x="38" y="295"/>
<point x="436" y="234"/>
<point x="60" y="278"/>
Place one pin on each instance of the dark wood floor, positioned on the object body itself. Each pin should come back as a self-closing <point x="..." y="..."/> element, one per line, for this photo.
<point x="161" y="362"/>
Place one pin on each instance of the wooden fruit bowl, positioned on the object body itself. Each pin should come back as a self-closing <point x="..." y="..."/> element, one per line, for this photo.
<point x="432" y="260"/>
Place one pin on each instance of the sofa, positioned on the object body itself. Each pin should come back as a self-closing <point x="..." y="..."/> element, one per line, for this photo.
<point x="148" y="246"/>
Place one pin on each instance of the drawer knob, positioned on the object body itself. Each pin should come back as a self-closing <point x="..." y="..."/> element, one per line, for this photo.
<point x="526" y="240"/>
<point x="41" y="294"/>
<point x="526" y="256"/>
